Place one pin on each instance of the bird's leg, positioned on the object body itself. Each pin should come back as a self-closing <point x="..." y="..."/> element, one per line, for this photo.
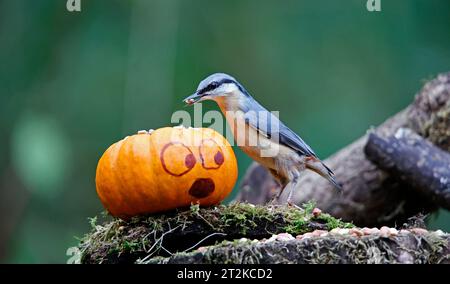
<point x="292" y="186"/>
<point x="295" y="174"/>
<point x="274" y="199"/>
<point x="282" y="183"/>
<point x="277" y="196"/>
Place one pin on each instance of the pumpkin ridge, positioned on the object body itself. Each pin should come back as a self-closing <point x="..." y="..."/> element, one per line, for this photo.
<point x="136" y="181"/>
<point x="128" y="196"/>
<point x="112" y="179"/>
<point x="153" y="163"/>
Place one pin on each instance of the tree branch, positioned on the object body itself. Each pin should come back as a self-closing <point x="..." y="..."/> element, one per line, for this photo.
<point x="415" y="161"/>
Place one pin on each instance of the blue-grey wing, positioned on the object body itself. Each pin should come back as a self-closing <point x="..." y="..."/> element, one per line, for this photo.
<point x="292" y="140"/>
<point x="271" y="127"/>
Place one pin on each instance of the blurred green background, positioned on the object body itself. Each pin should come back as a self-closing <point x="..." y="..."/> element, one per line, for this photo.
<point x="71" y="84"/>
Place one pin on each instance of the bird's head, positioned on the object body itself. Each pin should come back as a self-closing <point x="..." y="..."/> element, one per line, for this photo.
<point x="215" y="86"/>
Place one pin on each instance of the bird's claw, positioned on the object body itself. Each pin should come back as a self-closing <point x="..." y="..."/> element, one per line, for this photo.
<point x="290" y="204"/>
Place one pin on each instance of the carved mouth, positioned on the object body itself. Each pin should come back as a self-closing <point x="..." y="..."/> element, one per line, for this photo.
<point x="202" y="187"/>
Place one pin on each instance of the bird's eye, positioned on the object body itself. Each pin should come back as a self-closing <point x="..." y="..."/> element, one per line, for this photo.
<point x="214" y="85"/>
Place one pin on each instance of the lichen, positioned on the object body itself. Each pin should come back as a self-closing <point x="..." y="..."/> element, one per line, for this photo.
<point x="324" y="250"/>
<point x="437" y="129"/>
<point x="430" y="114"/>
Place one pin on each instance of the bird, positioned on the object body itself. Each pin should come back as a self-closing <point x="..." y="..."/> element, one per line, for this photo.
<point x="246" y="119"/>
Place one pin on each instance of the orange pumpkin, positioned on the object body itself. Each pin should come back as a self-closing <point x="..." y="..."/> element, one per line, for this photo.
<point x="165" y="169"/>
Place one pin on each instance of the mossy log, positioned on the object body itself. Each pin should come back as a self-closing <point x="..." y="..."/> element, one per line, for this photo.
<point x="244" y="233"/>
<point x="119" y="241"/>
<point x="405" y="248"/>
<point x="371" y="195"/>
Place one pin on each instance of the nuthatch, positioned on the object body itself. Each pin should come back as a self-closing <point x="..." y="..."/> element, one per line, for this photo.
<point x="293" y="155"/>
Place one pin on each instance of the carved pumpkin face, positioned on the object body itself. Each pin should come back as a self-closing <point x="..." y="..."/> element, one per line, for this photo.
<point x="165" y="169"/>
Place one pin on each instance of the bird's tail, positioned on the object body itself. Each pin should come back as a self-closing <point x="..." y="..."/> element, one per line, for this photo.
<point x="320" y="168"/>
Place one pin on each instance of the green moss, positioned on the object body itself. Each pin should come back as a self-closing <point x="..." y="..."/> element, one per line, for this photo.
<point x="130" y="246"/>
<point x="309" y="207"/>
<point x="93" y="221"/>
<point x="244" y="216"/>
<point x="299" y="220"/>
<point x="332" y="222"/>
<point x="147" y="235"/>
<point x="297" y="227"/>
<point x="195" y="209"/>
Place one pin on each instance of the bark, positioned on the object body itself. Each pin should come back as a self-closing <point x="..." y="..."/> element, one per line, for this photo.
<point x="371" y="196"/>
<point x="415" y="161"/>
<point x="404" y="248"/>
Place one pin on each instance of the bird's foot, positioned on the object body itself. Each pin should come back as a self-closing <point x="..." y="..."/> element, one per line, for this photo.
<point x="290" y="204"/>
<point x="274" y="201"/>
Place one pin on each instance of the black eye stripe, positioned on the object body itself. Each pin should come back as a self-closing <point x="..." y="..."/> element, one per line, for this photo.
<point x="228" y="81"/>
<point x="215" y="85"/>
<point x="210" y="87"/>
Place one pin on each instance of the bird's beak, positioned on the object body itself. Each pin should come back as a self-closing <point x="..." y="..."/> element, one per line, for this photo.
<point x="192" y="99"/>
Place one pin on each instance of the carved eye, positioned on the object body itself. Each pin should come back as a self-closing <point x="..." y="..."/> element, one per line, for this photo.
<point x="177" y="159"/>
<point x="211" y="154"/>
